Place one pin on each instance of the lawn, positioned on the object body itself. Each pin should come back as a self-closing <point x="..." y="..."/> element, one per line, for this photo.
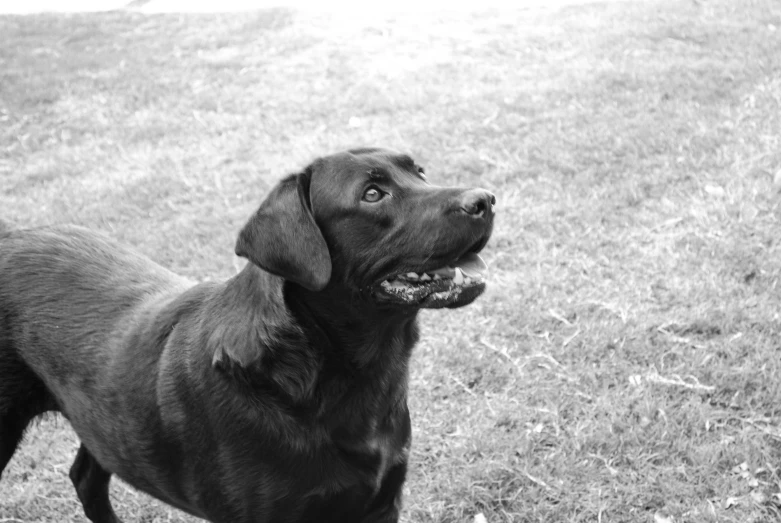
<point x="623" y="365"/>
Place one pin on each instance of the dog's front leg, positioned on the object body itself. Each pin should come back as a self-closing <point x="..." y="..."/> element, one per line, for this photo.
<point x="91" y="482"/>
<point x="386" y="514"/>
<point x="386" y="506"/>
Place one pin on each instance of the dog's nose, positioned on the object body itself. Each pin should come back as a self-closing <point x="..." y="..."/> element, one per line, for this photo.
<point x="477" y="202"/>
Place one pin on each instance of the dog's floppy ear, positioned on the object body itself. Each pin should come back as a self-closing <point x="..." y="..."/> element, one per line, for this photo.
<point x="283" y="238"/>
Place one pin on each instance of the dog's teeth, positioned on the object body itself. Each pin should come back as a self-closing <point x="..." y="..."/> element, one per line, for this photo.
<point x="437" y="277"/>
<point x="412" y="276"/>
<point x="425" y="277"/>
<point x="467" y="280"/>
<point x="446" y="271"/>
<point x="458" y="278"/>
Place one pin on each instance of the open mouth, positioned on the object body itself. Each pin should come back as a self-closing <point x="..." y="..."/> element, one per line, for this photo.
<point x="453" y="285"/>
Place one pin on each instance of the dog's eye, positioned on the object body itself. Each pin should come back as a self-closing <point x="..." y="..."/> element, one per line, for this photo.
<point x="422" y="172"/>
<point x="372" y="195"/>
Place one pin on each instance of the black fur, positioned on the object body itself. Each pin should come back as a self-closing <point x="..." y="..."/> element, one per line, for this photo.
<point x="267" y="398"/>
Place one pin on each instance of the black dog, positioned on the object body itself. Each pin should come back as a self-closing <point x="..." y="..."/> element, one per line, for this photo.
<point x="277" y="396"/>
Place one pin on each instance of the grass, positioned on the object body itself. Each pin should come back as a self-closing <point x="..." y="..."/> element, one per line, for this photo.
<point x="623" y="366"/>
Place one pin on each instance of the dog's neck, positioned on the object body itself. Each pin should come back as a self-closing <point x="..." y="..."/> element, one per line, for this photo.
<point x="365" y="353"/>
<point x="356" y="330"/>
<point x="328" y="335"/>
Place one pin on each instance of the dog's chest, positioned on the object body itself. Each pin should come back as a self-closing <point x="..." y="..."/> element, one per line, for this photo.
<point x="365" y="454"/>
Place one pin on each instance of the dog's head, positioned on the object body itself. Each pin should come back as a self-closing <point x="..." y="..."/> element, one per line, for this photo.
<point x="368" y="221"/>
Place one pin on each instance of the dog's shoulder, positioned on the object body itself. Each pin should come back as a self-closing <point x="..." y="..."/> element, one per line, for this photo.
<point x="247" y="326"/>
